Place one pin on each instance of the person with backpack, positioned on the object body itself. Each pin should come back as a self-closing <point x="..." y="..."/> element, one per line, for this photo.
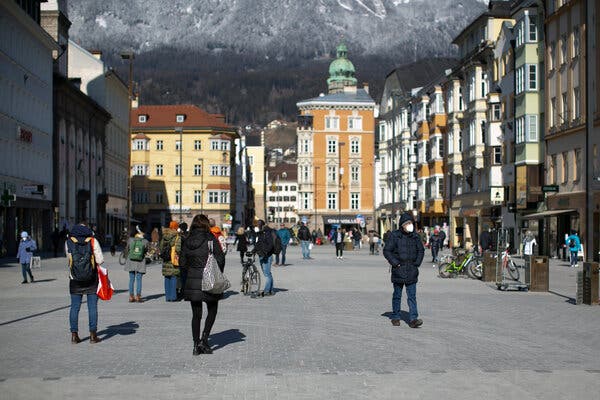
<point x="265" y="247"/>
<point x="405" y="251"/>
<point x="304" y="237"/>
<point x="435" y="241"/>
<point x="284" y="236"/>
<point x="26" y="248"/>
<point x="170" y="246"/>
<point x="137" y="247"/>
<point x="574" y="244"/>
<point x="84" y="255"/>
<point x="194" y="256"/>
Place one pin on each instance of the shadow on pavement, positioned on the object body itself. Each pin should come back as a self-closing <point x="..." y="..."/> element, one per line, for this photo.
<point x="117" y="291"/>
<point x="153" y="296"/>
<point x="569" y="300"/>
<point x="36" y="315"/>
<point x="43" y="280"/>
<point x="125" y="329"/>
<point x="230" y="336"/>
<point x="275" y="290"/>
<point x="403" y="315"/>
<point x="230" y="293"/>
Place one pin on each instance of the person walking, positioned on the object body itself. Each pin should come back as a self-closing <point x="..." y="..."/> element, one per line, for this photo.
<point x="284" y="236"/>
<point x="435" y="241"/>
<point x="241" y="242"/>
<point x="170" y="246"/>
<point x="304" y="237"/>
<point x="26" y="248"/>
<point x="137" y="247"/>
<point x="404" y="251"/>
<point x="357" y="238"/>
<point x="85" y="255"/>
<point x="218" y="234"/>
<point x="264" y="247"/>
<point x="338" y="237"/>
<point x="574" y="244"/>
<point x="194" y="255"/>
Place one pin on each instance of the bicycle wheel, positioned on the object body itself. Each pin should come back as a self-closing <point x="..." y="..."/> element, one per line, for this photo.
<point x="475" y="269"/>
<point x="253" y="280"/>
<point x="123" y="258"/>
<point x="444" y="270"/>
<point x="513" y="271"/>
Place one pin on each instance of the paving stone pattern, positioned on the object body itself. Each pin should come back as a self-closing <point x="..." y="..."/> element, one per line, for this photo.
<point x="324" y="334"/>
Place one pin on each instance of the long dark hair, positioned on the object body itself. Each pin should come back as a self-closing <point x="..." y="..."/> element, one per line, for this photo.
<point x="200" y="221"/>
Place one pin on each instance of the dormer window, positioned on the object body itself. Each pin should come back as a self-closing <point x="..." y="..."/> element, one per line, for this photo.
<point x="142" y="118"/>
<point x="180" y="118"/>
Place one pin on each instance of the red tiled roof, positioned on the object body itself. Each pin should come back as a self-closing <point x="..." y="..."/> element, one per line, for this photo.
<point x="166" y="117"/>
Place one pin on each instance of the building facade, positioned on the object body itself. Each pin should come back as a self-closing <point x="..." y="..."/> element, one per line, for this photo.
<point x="282" y="194"/>
<point x="102" y="84"/>
<point x="336" y="161"/>
<point x="256" y="161"/>
<point x="26" y="166"/>
<point x="183" y="164"/>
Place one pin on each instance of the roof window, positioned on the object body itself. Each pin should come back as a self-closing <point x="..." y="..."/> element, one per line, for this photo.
<point x="142" y="118"/>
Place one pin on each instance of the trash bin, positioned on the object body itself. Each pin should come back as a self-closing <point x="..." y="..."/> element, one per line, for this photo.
<point x="348" y="245"/>
<point x="540" y="275"/>
<point x="489" y="267"/>
<point x="590" y="283"/>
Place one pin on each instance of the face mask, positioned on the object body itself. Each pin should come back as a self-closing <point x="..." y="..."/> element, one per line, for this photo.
<point x="256" y="229"/>
<point x="409" y="228"/>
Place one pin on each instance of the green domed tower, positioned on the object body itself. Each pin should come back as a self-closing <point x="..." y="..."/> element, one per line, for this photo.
<point x="341" y="71"/>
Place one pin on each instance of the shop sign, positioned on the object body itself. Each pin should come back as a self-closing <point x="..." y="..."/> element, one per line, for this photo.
<point x="550" y="188"/>
<point x="497" y="194"/>
<point x="335" y="219"/>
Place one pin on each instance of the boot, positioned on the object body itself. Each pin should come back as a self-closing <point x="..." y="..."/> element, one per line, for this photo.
<point x="197" y="349"/>
<point x="204" y="346"/>
<point x="131" y="298"/>
<point x="75" y="338"/>
<point x="139" y="299"/>
<point x="94" y="338"/>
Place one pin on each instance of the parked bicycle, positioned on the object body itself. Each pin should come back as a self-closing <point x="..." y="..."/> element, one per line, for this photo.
<point x="470" y="263"/>
<point x="250" y="275"/>
<point x="123" y="256"/>
<point x="509" y="265"/>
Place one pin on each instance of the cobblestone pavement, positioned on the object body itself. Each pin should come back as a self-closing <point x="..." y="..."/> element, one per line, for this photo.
<point x="324" y="334"/>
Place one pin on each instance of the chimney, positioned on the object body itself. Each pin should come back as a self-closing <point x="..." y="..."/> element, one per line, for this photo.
<point x="366" y="87"/>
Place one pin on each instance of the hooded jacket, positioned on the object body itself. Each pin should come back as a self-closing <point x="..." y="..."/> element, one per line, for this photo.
<point x="404" y="251"/>
<point x="194" y="254"/>
<point x="170" y="238"/>
<point x="82" y="232"/>
<point x="26" y="249"/>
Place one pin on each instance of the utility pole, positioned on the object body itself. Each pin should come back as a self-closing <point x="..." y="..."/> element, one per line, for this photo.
<point x="129" y="56"/>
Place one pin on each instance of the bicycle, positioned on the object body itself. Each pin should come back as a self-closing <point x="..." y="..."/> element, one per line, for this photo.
<point x="509" y="265"/>
<point x="471" y="263"/>
<point x="250" y="275"/>
<point x="123" y="256"/>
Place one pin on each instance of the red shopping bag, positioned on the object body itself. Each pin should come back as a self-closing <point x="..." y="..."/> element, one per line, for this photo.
<point x="105" y="288"/>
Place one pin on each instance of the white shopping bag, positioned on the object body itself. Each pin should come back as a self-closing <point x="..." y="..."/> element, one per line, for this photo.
<point x="36" y="262"/>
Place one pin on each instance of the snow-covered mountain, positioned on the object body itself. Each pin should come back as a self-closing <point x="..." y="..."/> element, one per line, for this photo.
<point x="274" y="28"/>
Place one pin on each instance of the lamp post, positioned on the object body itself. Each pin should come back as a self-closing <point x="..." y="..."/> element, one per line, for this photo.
<point x="201" y="185"/>
<point x="340" y="183"/>
<point x="180" y="130"/>
<point x="129" y="56"/>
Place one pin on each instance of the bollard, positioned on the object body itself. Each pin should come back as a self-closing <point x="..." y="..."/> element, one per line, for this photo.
<point x="590" y="283"/>
<point x="489" y="267"/>
<point x="540" y="276"/>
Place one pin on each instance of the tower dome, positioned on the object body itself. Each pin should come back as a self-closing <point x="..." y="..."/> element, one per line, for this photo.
<point x="341" y="71"/>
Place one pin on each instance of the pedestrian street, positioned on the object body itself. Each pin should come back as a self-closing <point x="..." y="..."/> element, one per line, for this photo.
<point x="324" y="334"/>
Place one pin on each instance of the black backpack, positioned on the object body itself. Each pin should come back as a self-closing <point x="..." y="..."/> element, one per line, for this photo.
<point x="81" y="259"/>
<point x="276" y="242"/>
<point x="572" y="243"/>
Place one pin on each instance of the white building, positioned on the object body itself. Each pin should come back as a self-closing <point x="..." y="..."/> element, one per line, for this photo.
<point x="26" y="167"/>
<point x="282" y="194"/>
<point x="103" y="85"/>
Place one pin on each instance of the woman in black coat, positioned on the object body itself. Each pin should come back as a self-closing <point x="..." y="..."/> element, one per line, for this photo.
<point x="242" y="242"/>
<point x="194" y="254"/>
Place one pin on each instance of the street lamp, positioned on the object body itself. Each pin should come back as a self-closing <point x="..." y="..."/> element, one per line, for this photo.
<point x="180" y="130"/>
<point x="340" y="183"/>
<point x="129" y="56"/>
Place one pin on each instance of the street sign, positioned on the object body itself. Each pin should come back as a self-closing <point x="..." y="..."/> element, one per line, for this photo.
<point x="550" y="188"/>
<point x="7" y="198"/>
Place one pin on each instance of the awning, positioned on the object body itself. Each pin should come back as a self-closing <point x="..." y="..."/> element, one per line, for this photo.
<point x="548" y="213"/>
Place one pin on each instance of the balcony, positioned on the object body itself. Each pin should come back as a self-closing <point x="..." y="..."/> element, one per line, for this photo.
<point x="305" y="122"/>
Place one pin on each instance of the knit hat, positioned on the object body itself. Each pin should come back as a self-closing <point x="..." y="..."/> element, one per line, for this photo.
<point x="405" y="217"/>
<point x="24" y="235"/>
<point x="173" y="225"/>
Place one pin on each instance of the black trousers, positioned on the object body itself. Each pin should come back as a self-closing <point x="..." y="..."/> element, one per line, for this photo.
<point x="197" y="318"/>
<point x="339" y="249"/>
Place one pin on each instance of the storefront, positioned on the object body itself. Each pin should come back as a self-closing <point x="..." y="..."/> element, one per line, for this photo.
<point x="345" y="221"/>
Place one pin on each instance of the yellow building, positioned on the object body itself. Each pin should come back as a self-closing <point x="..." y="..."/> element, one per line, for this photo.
<point x="182" y="164"/>
<point x="336" y="152"/>
<point x="256" y="159"/>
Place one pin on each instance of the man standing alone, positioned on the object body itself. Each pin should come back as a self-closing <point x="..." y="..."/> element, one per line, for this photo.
<point x="404" y="251"/>
<point x="304" y="237"/>
<point x="284" y="236"/>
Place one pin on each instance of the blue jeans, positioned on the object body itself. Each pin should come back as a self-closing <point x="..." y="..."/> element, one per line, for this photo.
<point x="411" y="293"/>
<point x="305" y="248"/>
<point x="265" y="264"/>
<point x="26" y="269"/>
<point x="170" y="288"/>
<point x="573" y="258"/>
<point x="92" y="303"/>
<point x="283" y="250"/>
<point x="137" y="278"/>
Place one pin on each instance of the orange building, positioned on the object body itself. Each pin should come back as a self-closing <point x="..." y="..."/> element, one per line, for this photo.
<point x="336" y="152"/>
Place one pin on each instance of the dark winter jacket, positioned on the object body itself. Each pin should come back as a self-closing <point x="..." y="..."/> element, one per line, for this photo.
<point x="242" y="243"/>
<point x="194" y="254"/>
<point x="303" y="233"/>
<point x="404" y="251"/>
<point x="82" y="232"/>
<point x="436" y="241"/>
<point x="264" y="244"/>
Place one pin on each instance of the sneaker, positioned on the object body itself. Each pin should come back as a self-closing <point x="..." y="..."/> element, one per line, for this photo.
<point x="415" y="323"/>
<point x="396" y="322"/>
<point x="576" y="265"/>
<point x="25" y="281"/>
